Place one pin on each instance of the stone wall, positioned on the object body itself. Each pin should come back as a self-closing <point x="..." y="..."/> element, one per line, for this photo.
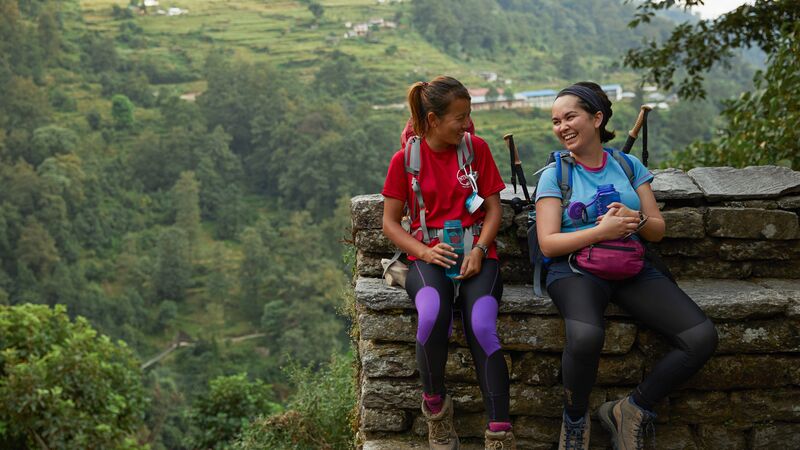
<point x="732" y="240"/>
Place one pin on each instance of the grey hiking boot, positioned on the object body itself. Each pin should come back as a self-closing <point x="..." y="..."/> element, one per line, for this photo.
<point x="500" y="440"/>
<point x="627" y="423"/>
<point x="441" y="434"/>
<point x="575" y="435"/>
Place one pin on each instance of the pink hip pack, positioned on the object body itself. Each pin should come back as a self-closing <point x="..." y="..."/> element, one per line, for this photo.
<point x="613" y="260"/>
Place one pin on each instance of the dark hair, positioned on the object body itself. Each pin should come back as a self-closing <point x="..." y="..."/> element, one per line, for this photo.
<point x="434" y="96"/>
<point x="600" y="102"/>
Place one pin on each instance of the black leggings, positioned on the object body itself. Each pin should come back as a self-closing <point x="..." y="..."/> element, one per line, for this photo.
<point x="432" y="292"/>
<point x="659" y="304"/>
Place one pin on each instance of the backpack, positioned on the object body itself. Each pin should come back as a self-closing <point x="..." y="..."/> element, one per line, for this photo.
<point x="563" y="163"/>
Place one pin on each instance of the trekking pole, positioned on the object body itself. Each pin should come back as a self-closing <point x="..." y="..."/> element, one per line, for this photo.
<point x="511" y="152"/>
<point x="516" y="167"/>
<point x="641" y="120"/>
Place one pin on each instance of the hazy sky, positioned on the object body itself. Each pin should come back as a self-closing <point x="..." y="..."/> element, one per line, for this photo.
<point x="713" y="8"/>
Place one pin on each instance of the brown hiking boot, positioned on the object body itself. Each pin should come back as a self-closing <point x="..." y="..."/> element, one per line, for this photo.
<point x="500" y="440"/>
<point x="441" y="434"/>
<point x="627" y="423"/>
<point x="575" y="435"/>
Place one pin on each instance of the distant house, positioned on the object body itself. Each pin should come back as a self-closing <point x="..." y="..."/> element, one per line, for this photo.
<point x="361" y="29"/>
<point x="542" y="98"/>
<point x="613" y="91"/>
<point x="481" y="102"/>
<point x="149" y="3"/>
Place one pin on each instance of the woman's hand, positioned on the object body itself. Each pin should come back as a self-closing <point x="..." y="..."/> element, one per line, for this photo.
<point x="472" y="264"/>
<point x="440" y="254"/>
<point x="613" y="225"/>
<point x="622" y="211"/>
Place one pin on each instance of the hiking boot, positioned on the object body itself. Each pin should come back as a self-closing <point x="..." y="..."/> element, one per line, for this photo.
<point x="441" y="434"/>
<point x="627" y="423"/>
<point x="500" y="440"/>
<point x="575" y="435"/>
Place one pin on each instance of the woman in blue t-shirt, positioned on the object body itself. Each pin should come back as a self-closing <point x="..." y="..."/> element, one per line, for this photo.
<point x="580" y="114"/>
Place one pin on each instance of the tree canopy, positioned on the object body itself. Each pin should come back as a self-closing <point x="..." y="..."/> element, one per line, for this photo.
<point x="63" y="385"/>
<point x="696" y="48"/>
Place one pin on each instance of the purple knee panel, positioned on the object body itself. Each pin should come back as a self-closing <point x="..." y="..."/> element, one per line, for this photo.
<point x="427" y="302"/>
<point x="484" y="324"/>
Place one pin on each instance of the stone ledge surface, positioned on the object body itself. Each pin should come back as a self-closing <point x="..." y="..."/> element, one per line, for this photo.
<point x="727" y="183"/>
<point x="721" y="299"/>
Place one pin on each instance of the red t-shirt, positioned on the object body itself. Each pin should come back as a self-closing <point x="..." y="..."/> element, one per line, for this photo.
<point x="445" y="188"/>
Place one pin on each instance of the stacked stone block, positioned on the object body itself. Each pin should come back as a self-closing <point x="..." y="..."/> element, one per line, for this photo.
<point x="732" y="240"/>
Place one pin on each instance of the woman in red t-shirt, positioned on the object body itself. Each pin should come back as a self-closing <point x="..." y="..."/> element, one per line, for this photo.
<point x="440" y="113"/>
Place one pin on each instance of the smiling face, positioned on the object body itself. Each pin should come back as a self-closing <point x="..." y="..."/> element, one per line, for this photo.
<point x="450" y="128"/>
<point x="575" y="127"/>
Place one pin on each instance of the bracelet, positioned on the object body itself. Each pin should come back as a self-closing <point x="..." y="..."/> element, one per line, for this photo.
<point x="484" y="249"/>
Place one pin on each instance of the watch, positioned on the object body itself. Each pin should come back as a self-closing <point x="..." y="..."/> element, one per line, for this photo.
<point x="642" y="221"/>
<point x="484" y="249"/>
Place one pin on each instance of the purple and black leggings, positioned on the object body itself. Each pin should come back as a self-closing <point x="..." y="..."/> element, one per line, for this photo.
<point x="432" y="292"/>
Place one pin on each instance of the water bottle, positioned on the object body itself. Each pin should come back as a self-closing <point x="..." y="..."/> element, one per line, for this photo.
<point x="606" y="195"/>
<point x="454" y="236"/>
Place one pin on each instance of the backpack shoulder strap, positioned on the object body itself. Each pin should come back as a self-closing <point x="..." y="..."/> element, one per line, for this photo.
<point x="411" y="154"/>
<point x="413" y="162"/>
<point x="564" y="163"/>
<point x="624" y="161"/>
<point x="466" y="151"/>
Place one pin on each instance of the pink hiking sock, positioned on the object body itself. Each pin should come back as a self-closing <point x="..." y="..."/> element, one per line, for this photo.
<point x="434" y="402"/>
<point x="499" y="426"/>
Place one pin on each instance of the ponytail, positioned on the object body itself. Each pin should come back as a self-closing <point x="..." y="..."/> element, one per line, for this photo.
<point x="419" y="121"/>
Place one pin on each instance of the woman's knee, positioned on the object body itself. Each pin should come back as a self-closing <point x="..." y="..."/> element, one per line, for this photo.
<point x="700" y="341"/>
<point x="583" y="339"/>
<point x="483" y="322"/>
<point x="428" y="302"/>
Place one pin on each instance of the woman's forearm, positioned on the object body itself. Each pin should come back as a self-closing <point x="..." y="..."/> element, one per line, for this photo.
<point x="559" y="244"/>
<point x="653" y="229"/>
<point x="404" y="241"/>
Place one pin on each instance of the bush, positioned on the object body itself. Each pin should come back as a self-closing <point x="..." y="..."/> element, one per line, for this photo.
<point x="64" y="386"/>
<point x="319" y="415"/>
<point x="220" y="414"/>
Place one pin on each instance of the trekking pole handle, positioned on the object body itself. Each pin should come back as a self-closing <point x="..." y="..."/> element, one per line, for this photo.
<point x="509" y="138"/>
<point x="643" y="111"/>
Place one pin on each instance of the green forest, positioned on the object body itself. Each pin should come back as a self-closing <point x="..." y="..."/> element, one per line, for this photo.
<point x="175" y="253"/>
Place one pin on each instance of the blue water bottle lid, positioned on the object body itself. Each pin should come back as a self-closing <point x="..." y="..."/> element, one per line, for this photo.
<point x="605" y="188"/>
<point x="452" y="223"/>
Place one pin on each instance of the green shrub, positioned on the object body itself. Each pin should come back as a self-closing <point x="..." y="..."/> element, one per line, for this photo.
<point x="64" y="386"/>
<point x="220" y="414"/>
<point x="319" y="415"/>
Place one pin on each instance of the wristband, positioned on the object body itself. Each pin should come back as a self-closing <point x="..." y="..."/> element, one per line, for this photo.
<point x="483" y="248"/>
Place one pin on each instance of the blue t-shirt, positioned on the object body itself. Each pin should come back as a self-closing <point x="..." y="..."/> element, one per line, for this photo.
<point x="584" y="187"/>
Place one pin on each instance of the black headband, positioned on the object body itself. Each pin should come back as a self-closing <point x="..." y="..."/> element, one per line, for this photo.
<point x="589" y="96"/>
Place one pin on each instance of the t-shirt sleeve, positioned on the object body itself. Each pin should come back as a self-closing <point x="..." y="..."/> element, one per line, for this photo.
<point x="489" y="180"/>
<point x="548" y="185"/>
<point x="396" y="184"/>
<point x="641" y="174"/>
